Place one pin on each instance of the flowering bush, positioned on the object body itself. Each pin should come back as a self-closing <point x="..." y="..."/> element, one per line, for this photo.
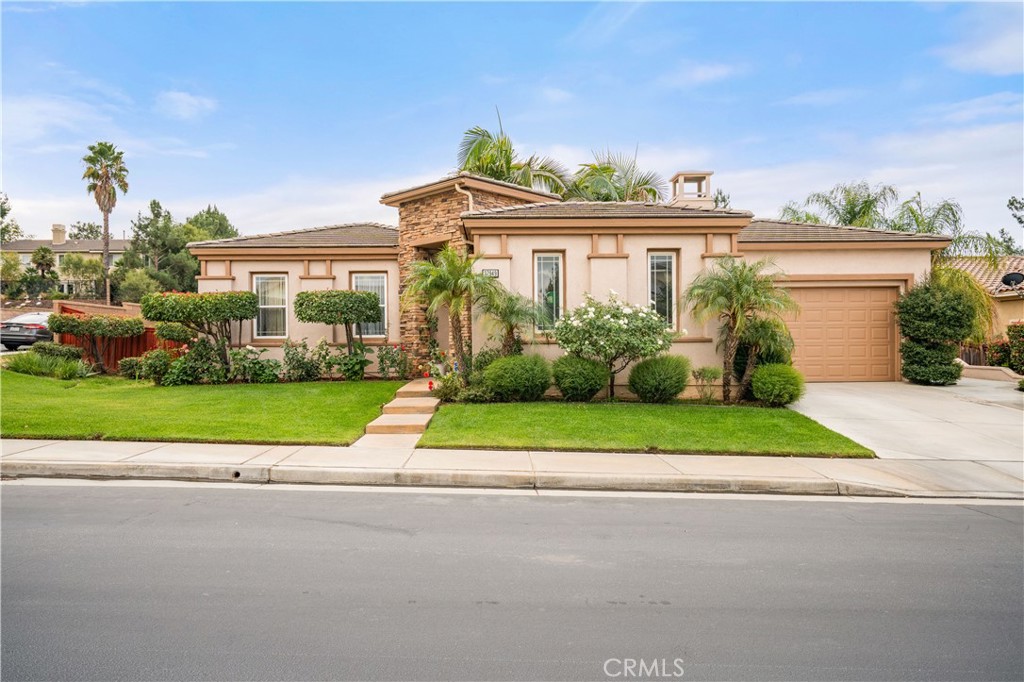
<point x="248" y="366"/>
<point x="302" y="364"/>
<point x="199" y="364"/>
<point x="614" y="333"/>
<point x="395" y="360"/>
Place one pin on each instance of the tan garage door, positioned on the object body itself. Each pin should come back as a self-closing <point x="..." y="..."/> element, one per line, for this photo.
<point x="845" y="333"/>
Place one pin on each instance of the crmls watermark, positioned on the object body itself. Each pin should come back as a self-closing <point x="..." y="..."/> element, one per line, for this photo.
<point x="643" y="668"/>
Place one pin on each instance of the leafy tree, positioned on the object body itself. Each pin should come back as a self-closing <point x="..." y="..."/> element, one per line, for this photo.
<point x="615" y="177"/>
<point x="96" y="331"/>
<point x="9" y="228"/>
<point x="722" y="200"/>
<point x="105" y="174"/>
<point x="510" y="312"/>
<point x="80" y="230"/>
<point x="44" y="260"/>
<point x="209" y="314"/>
<point x="156" y="234"/>
<point x="212" y="223"/>
<point x="736" y="293"/>
<point x="1009" y="244"/>
<point x="336" y="306"/>
<point x="136" y="284"/>
<point x="492" y="155"/>
<point x="1016" y="206"/>
<point x="86" y="273"/>
<point x="449" y="280"/>
<point x="857" y="204"/>
<point x="614" y="333"/>
<point x="10" y="268"/>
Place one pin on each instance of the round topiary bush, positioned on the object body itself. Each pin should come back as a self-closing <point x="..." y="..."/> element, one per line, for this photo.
<point x="518" y="378"/>
<point x="777" y="384"/>
<point x="660" y="379"/>
<point x="579" y="379"/>
<point x="930" y="363"/>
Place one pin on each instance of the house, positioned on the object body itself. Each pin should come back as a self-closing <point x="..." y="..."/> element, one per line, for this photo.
<point x="845" y="278"/>
<point x="1009" y="302"/>
<point x="63" y="247"/>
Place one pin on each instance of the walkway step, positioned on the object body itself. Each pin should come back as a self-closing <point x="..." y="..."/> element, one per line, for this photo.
<point x="399" y="423"/>
<point x="420" y="388"/>
<point x="411" y="406"/>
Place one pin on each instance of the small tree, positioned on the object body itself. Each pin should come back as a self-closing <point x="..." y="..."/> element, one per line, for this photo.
<point x="338" y="306"/>
<point x="96" y="331"/>
<point x="11" y="269"/>
<point x="43" y="260"/>
<point x="933" y="319"/>
<point x="613" y="333"/>
<point x="86" y="274"/>
<point x="510" y="312"/>
<point x="209" y="314"/>
<point x="764" y="337"/>
<point x="136" y="284"/>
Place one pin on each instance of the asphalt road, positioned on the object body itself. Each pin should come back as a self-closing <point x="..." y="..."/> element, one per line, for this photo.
<point x="141" y="583"/>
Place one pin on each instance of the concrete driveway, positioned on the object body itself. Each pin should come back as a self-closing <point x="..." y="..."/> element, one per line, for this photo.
<point x="976" y="420"/>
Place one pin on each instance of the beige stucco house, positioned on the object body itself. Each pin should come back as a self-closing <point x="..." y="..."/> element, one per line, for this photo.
<point x="63" y="247"/>
<point x="844" y="278"/>
<point x="1008" y="302"/>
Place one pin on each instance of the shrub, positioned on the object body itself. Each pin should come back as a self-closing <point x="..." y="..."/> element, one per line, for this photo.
<point x="174" y="331"/>
<point x="1015" y="361"/>
<point x="201" y="364"/>
<point x="997" y="354"/>
<point x="209" y="314"/>
<point x="155" y="364"/>
<point x="614" y="333"/>
<point x="393" y="359"/>
<point x="248" y="366"/>
<point x="705" y="378"/>
<point x="485" y="357"/>
<point x="777" y="384"/>
<point x="136" y="284"/>
<point x="447" y="387"/>
<point x="300" y="364"/>
<point x="96" y="331"/>
<point x="1020" y="385"/>
<point x="518" y="378"/>
<point x="352" y="366"/>
<point x="926" y="363"/>
<point x="660" y="379"/>
<point x="475" y="394"/>
<point x="338" y="306"/>
<point x="131" y="368"/>
<point x="58" y="350"/>
<point x="579" y="379"/>
<point x="47" y="366"/>
<point x="67" y="370"/>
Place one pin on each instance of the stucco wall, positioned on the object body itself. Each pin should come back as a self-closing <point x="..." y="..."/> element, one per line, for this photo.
<point x="1007" y="311"/>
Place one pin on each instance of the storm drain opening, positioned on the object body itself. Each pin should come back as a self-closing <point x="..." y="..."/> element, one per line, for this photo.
<point x="237" y="474"/>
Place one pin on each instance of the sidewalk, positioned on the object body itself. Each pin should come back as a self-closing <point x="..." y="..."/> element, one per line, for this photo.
<point x="394" y="460"/>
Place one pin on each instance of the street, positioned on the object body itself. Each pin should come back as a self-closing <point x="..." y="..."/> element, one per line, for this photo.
<point x="143" y="582"/>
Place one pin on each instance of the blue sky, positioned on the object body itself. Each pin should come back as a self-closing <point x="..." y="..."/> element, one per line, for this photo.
<point x="291" y="115"/>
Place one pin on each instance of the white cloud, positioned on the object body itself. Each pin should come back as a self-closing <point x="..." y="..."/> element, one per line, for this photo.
<point x="997" y="105"/>
<point x="184" y="106"/>
<point x="992" y="41"/>
<point x="555" y="95"/>
<point x="30" y="118"/>
<point x="689" y="74"/>
<point x="823" y="98"/>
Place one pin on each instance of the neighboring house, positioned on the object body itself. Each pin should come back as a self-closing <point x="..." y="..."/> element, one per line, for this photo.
<point x="62" y="246"/>
<point x="1009" y="303"/>
<point x="845" y="279"/>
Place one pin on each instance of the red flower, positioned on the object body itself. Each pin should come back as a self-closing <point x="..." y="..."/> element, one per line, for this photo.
<point x="426" y="375"/>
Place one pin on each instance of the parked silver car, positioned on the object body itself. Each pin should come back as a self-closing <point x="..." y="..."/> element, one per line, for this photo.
<point x="24" y="330"/>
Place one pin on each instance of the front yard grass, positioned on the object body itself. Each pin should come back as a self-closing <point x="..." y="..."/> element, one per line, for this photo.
<point x="634" y="427"/>
<point x="321" y="413"/>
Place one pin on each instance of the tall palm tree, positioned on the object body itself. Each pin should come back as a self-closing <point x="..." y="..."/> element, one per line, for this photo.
<point x="510" y="312"/>
<point x="449" y="280"/>
<point x="492" y="155"/>
<point x="105" y="174"/>
<point x="736" y="293"/>
<point x="615" y="177"/>
<point x="857" y="204"/>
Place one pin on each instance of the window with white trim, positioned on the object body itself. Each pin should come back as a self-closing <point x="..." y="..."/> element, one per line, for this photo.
<point x="272" y="314"/>
<point x="548" y="287"/>
<point x="377" y="282"/>
<point x="661" y="271"/>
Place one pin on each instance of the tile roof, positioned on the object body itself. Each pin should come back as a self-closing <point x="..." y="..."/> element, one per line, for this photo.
<point x="979" y="269"/>
<point x="70" y="246"/>
<point x="781" y="231"/>
<point x="349" y="234"/>
<point x="599" y="209"/>
<point x="471" y="176"/>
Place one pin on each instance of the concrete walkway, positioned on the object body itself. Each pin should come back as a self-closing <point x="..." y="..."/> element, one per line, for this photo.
<point x="383" y="459"/>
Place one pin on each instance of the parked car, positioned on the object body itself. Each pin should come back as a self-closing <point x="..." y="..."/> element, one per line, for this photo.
<point x="24" y="330"/>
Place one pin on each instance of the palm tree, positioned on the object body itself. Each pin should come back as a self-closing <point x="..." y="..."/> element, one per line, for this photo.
<point x="449" y="280"/>
<point x="510" y="312"/>
<point x="615" y="177"/>
<point x="857" y="204"/>
<point x="736" y="293"/>
<point x="491" y="155"/>
<point x="106" y="174"/>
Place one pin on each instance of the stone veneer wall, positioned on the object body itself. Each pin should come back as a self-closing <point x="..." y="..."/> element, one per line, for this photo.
<point x="434" y="217"/>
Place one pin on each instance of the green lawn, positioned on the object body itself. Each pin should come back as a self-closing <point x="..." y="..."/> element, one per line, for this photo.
<point x="623" y="427"/>
<point x="329" y="413"/>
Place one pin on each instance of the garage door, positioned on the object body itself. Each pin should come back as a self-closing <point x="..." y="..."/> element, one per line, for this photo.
<point x="845" y="333"/>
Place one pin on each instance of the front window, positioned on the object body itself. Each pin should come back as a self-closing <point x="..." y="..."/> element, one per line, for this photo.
<point x="272" y="316"/>
<point x="376" y="282"/>
<point x="548" y="289"/>
<point x="661" y="268"/>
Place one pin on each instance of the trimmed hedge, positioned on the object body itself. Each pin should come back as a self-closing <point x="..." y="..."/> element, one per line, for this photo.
<point x="933" y="319"/>
<point x="96" y="331"/>
<point x="196" y="310"/>
<point x="58" y="350"/>
<point x="1015" y="361"/>
<point x="518" y="378"/>
<point x="579" y="379"/>
<point x="660" y="379"/>
<point x="174" y="331"/>
<point x="131" y="368"/>
<point x="777" y="384"/>
<point x="338" y="306"/>
<point x="930" y="363"/>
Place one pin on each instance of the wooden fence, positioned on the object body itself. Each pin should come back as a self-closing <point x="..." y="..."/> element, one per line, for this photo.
<point x="117" y="348"/>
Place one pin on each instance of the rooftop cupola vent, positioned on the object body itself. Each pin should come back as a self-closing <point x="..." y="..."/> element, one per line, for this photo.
<point x="692" y="189"/>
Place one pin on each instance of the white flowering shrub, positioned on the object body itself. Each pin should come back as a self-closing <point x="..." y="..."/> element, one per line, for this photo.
<point x="614" y="333"/>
